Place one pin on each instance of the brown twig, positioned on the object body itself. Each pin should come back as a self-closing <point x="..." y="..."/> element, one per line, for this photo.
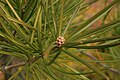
<point x="5" y="68"/>
<point x="14" y="65"/>
<point x="101" y="64"/>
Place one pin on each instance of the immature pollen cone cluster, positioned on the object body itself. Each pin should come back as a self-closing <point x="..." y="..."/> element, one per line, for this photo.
<point x="60" y="41"/>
